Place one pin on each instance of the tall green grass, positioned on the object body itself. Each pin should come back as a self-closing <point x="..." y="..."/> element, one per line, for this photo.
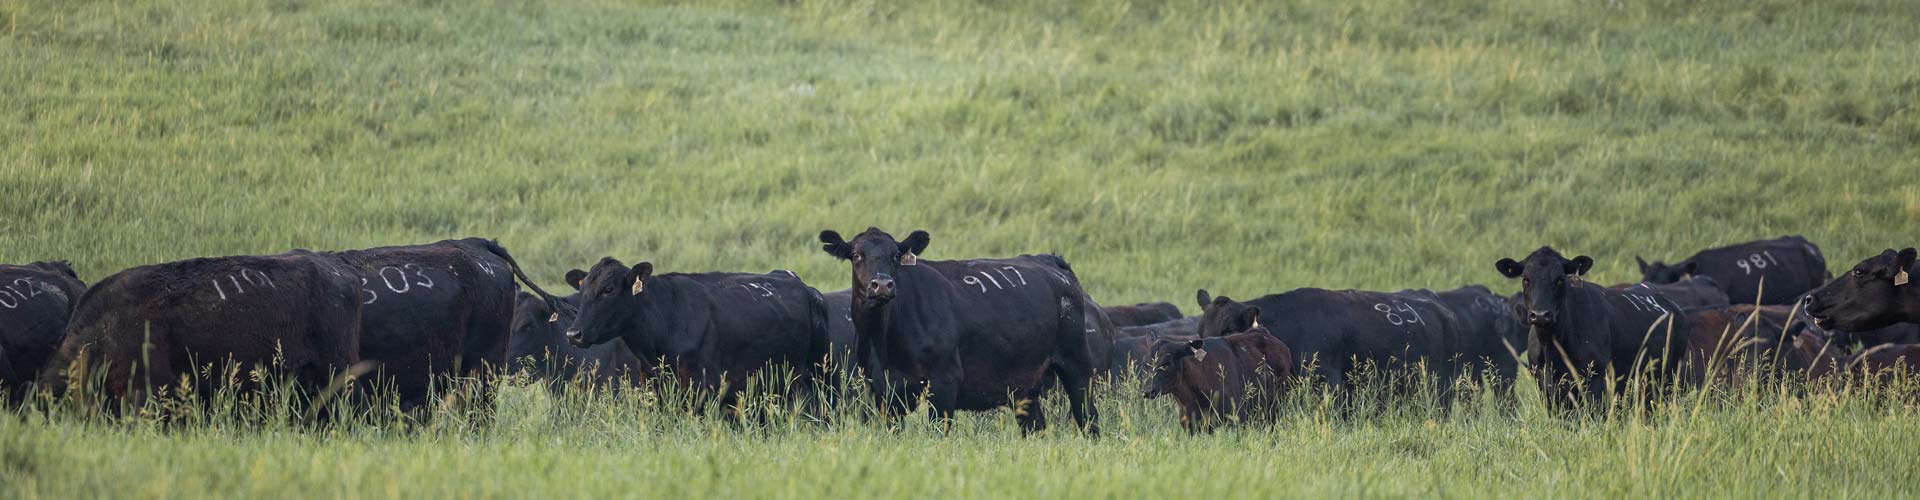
<point x="1244" y="147"/>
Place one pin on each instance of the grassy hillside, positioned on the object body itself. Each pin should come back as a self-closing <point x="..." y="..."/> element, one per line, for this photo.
<point x="1247" y="148"/>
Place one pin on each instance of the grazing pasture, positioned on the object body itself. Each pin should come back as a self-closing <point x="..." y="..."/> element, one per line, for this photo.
<point x="1248" y="148"/>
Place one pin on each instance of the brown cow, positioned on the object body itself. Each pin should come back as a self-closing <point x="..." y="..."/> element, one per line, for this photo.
<point x="1222" y="379"/>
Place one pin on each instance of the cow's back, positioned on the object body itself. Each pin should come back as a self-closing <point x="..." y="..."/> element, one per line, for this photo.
<point x="996" y="303"/>
<point x="1490" y="335"/>
<point x="757" y="319"/>
<point x="433" y="310"/>
<point x="1788" y="266"/>
<point x="1336" y="331"/>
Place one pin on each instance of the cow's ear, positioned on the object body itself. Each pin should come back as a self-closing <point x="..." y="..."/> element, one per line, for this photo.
<point x="835" y="245"/>
<point x="641" y="272"/>
<point x="1580" y="265"/>
<point x="63" y="267"/>
<point x="1643" y="264"/>
<point x="1903" y="262"/>
<point x="1199" y="349"/>
<point x="1508" y="268"/>
<point x="575" y="278"/>
<point x="1202" y="297"/>
<point x="916" y="243"/>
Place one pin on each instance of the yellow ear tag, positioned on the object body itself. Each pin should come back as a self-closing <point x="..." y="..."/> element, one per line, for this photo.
<point x="1574" y="279"/>
<point x="1900" y="279"/>
<point x="908" y="259"/>
<point x="637" y="286"/>
<point x="1199" y="354"/>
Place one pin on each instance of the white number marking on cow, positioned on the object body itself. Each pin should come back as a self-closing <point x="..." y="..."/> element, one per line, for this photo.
<point x="404" y="285"/>
<point x="1646" y="303"/>
<point x="1393" y="313"/>
<point x="417" y="273"/>
<point x="256" y="278"/>
<point x="765" y="291"/>
<point x="1756" y="261"/>
<point x="971" y="280"/>
<point x="33" y="290"/>
<point x="485" y="267"/>
<point x="371" y="295"/>
<point x="989" y="277"/>
<point x="8" y="300"/>
<point x="1016" y="274"/>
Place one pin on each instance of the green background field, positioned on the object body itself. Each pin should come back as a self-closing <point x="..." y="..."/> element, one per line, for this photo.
<point x="1243" y="147"/>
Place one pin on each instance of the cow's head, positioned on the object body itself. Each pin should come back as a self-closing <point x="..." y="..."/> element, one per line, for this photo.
<point x="610" y="296"/>
<point x="531" y="315"/>
<point x="57" y="267"/>
<point x="1878" y="292"/>
<point x="876" y="259"/>
<point x="1221" y="315"/>
<point x="1545" y="278"/>
<point x="1661" y="273"/>
<point x="1176" y="363"/>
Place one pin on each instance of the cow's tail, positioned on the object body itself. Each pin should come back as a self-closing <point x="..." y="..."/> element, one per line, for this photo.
<point x="501" y="252"/>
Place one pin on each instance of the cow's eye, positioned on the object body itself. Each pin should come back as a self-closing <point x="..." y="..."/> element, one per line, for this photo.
<point x="1858" y="273"/>
<point x="856" y="257"/>
<point x="1526" y="281"/>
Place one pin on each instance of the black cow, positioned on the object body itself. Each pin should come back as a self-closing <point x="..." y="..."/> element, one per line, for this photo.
<point x="434" y="311"/>
<point x="1878" y="292"/>
<point x="296" y="313"/>
<point x="540" y="345"/>
<point x="971" y="334"/>
<point x="840" y="326"/>
<point x="1489" y="339"/>
<point x="35" y="301"/>
<point x="1789" y="266"/>
<point x="1222" y="379"/>
<point x="1342" y="334"/>
<point x="1582" y="333"/>
<point x="1690" y="291"/>
<point x="1142" y="314"/>
<point x="714" y="331"/>
<point x="1101" y="332"/>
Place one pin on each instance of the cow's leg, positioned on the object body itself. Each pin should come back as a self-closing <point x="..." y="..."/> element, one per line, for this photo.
<point x="943" y="392"/>
<point x="1077" y="382"/>
<point x="1031" y="414"/>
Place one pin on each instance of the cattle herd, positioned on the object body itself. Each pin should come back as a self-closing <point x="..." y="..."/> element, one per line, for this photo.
<point x="953" y="335"/>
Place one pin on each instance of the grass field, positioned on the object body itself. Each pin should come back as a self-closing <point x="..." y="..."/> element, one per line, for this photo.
<point x="1244" y="147"/>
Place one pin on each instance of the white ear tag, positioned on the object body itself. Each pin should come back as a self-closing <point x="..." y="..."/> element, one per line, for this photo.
<point x="1256" y="324"/>
<point x="1574" y="279"/>
<point x="1199" y="354"/>
<point x="637" y="286"/>
<point x="1900" y="279"/>
<point x="555" y="318"/>
<point x="908" y="259"/>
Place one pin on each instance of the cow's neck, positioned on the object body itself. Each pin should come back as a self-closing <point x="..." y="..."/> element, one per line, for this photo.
<point x="666" y="323"/>
<point x="1907" y="302"/>
<point x="876" y="326"/>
